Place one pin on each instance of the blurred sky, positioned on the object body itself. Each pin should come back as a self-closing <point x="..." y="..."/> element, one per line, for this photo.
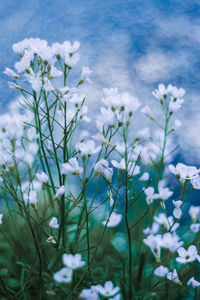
<point x="130" y="44"/>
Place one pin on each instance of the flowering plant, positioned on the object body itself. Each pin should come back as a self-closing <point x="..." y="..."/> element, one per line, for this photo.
<point x="86" y="201"/>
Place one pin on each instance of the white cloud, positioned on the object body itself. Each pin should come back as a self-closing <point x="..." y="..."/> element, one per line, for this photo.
<point x="156" y="66"/>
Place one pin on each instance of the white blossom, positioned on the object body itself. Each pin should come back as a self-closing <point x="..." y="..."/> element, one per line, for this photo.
<point x="102" y="168"/>
<point x="71" y="167"/>
<point x="42" y="177"/>
<point x="63" y="276"/>
<point x="73" y="261"/>
<point x="114" y="220"/>
<point x="161" y="271"/>
<point x="54" y="223"/>
<point x="108" y="290"/>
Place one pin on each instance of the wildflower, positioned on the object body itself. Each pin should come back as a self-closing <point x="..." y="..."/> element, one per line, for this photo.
<point x="195" y="227"/>
<point x="106" y="118"/>
<point x="196" y="182"/>
<point x="90" y="294"/>
<point x="60" y="191"/>
<point x="88" y="147"/>
<point x="166" y="222"/>
<point x="153" y="230"/>
<point x="108" y="290"/>
<point x="112" y="97"/>
<point x="177" y="211"/>
<point x="173" y="276"/>
<point x="186" y="256"/>
<point x="194" y="212"/>
<point x="177" y="93"/>
<point x="63" y="276"/>
<point x="72" y="167"/>
<point x="36" y="83"/>
<point x="114" y="220"/>
<point x="85" y="74"/>
<point x="146" y="111"/>
<point x="51" y="240"/>
<point x="101" y="168"/>
<point x="153" y="242"/>
<point x="164" y="192"/>
<point x="14" y="86"/>
<point x="73" y="261"/>
<point x="194" y="283"/>
<point x="149" y="192"/>
<point x="184" y="172"/>
<point x="144" y="177"/>
<point x="31" y="198"/>
<point x="1" y="216"/>
<point x="161" y="271"/>
<point x="175" y="105"/>
<point x="170" y="241"/>
<point x="121" y="165"/>
<point x="161" y="91"/>
<point x="10" y="73"/>
<point x="42" y="177"/>
<point x="54" y="223"/>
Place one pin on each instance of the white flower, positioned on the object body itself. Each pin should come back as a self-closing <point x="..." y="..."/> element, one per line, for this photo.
<point x="161" y="271"/>
<point x="161" y="91"/>
<point x="194" y="212"/>
<point x="166" y="222"/>
<point x="114" y="220"/>
<point x="90" y="294"/>
<point x="173" y="276"/>
<point x="1" y="216"/>
<point x="73" y="261"/>
<point x="186" y="256"/>
<point x="51" y="240"/>
<point x="36" y="83"/>
<point x="170" y="241"/>
<point x="31" y="198"/>
<point x="88" y="147"/>
<point x="177" y="93"/>
<point x="195" y="227"/>
<point x="10" y="73"/>
<point x="144" y="177"/>
<point x="12" y="85"/>
<point x="121" y="165"/>
<point x="149" y="192"/>
<point x="86" y="74"/>
<point x="196" y="182"/>
<point x="102" y="168"/>
<point x="183" y="171"/>
<point x="106" y="117"/>
<point x="175" y="105"/>
<point x="42" y="177"/>
<point x="177" y="211"/>
<point x="164" y="192"/>
<point x="194" y="283"/>
<point x="54" y="223"/>
<point x="63" y="276"/>
<point x="112" y="97"/>
<point x="146" y="111"/>
<point x="108" y="290"/>
<point x="72" y="167"/>
<point x="153" y="242"/>
<point x="60" y="191"/>
<point x="153" y="230"/>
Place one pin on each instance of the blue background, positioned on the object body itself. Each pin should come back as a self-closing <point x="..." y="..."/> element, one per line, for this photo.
<point x="130" y="44"/>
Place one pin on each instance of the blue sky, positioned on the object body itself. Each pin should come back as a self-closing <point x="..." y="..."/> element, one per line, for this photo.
<point x="130" y="44"/>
